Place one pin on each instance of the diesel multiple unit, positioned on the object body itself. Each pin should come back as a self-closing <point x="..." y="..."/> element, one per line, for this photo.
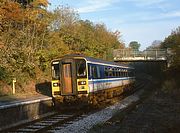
<point x="80" y="77"/>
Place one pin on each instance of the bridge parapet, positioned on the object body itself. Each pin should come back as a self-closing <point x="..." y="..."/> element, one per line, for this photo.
<point x="133" y="55"/>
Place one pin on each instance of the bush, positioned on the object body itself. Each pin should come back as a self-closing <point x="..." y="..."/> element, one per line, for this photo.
<point x="169" y="85"/>
<point x="3" y="73"/>
<point x="30" y="70"/>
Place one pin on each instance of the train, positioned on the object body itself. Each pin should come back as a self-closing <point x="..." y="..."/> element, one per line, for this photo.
<point x="86" y="79"/>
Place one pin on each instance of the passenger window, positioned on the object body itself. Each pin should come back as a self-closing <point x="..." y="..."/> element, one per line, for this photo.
<point x="89" y="71"/>
<point x="98" y="72"/>
<point x="106" y="72"/>
<point x="110" y="72"/>
<point x="117" y="72"/>
<point x="114" y="72"/>
<point x="94" y="72"/>
<point x="121" y="73"/>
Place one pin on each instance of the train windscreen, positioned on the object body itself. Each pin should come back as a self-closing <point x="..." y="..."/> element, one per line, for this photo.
<point x="81" y="68"/>
<point x="55" y="71"/>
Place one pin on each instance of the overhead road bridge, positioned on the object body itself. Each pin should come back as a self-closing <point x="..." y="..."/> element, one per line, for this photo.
<point x="129" y="55"/>
<point x="151" y="61"/>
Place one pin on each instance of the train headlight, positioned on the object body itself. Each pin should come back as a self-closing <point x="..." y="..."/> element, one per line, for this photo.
<point x="82" y="83"/>
<point x="55" y="84"/>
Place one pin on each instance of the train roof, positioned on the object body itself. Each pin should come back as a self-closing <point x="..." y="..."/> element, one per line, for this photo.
<point x="95" y="60"/>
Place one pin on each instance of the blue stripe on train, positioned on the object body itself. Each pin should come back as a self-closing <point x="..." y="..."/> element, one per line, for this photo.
<point x="108" y="80"/>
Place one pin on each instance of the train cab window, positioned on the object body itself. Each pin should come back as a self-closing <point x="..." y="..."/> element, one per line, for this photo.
<point x="81" y="68"/>
<point x="55" y="70"/>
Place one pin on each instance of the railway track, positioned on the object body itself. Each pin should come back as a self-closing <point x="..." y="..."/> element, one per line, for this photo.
<point x="55" y="121"/>
<point x="58" y="120"/>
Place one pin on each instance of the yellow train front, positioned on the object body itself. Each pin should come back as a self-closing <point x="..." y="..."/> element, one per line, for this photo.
<point x="77" y="78"/>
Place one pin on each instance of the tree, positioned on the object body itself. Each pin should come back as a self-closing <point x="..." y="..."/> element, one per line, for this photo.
<point x="22" y="35"/>
<point x="36" y="3"/>
<point x="134" y="45"/>
<point x="82" y="36"/>
<point x="173" y="42"/>
<point x="156" y="44"/>
<point x="31" y="36"/>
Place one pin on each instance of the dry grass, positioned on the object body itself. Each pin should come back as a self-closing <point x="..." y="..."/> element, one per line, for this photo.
<point x="5" y="89"/>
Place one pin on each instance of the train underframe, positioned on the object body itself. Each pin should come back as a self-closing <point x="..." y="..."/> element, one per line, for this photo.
<point x="93" y="98"/>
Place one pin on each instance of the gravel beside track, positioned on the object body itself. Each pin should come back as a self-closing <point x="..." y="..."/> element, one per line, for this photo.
<point x="86" y="123"/>
<point x="157" y="113"/>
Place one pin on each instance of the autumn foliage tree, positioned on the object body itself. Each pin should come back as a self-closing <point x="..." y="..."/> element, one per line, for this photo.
<point x="173" y="42"/>
<point x="31" y="36"/>
<point x="23" y="34"/>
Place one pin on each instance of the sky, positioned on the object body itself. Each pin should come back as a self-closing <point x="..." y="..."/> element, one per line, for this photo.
<point x="138" y="20"/>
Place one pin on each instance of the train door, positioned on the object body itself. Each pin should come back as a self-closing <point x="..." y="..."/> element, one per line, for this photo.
<point x="68" y="87"/>
<point x="56" y="86"/>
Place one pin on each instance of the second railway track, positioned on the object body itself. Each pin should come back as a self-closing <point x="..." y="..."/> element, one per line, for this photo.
<point x="46" y="124"/>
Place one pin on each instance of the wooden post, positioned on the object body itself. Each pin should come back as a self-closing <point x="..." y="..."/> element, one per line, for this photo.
<point x="14" y="90"/>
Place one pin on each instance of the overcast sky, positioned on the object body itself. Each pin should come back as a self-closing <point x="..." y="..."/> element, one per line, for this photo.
<point x="137" y="20"/>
